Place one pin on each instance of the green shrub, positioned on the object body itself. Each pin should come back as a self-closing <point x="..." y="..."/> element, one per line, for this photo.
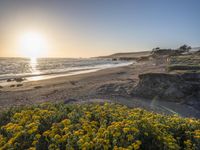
<point x="94" y="126"/>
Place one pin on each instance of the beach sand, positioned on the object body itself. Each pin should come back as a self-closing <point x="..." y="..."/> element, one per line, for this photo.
<point x="103" y="85"/>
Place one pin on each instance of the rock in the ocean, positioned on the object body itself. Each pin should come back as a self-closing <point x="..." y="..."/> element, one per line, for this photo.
<point x="19" y="79"/>
<point x="18" y="85"/>
<point x="9" y="80"/>
<point x="16" y="79"/>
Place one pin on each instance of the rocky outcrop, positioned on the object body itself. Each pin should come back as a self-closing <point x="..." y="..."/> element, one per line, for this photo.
<point x="171" y="87"/>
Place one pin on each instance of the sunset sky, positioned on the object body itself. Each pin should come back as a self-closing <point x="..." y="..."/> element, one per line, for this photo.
<point x="85" y="28"/>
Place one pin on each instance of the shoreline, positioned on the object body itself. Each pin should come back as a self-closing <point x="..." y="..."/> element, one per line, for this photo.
<point x="103" y="85"/>
<point x="46" y="76"/>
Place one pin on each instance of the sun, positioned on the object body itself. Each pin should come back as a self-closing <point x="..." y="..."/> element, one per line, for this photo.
<point x="32" y="45"/>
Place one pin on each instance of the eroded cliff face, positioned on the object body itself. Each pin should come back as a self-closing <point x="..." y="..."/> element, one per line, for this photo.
<point x="170" y="87"/>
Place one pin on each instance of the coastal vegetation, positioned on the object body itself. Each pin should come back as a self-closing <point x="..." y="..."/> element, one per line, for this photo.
<point x="94" y="126"/>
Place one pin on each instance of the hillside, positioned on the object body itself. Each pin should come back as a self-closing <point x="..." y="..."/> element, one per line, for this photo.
<point x="128" y="54"/>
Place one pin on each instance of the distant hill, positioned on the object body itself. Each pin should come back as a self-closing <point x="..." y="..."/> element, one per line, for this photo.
<point x="137" y="54"/>
<point x="128" y="55"/>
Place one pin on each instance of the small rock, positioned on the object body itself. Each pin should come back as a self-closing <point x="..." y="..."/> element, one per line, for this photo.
<point x="9" y="80"/>
<point x="73" y="82"/>
<point x="18" y="85"/>
<point x="19" y="79"/>
<point x="122" y="72"/>
<point x="12" y="85"/>
<point x="38" y="87"/>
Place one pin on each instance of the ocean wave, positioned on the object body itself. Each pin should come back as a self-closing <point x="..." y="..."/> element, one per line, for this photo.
<point x="29" y="68"/>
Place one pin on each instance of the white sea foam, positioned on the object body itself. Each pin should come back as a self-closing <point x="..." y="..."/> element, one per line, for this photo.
<point x="44" y="68"/>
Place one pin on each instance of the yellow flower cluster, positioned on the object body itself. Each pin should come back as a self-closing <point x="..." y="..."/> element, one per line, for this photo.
<point x="94" y="126"/>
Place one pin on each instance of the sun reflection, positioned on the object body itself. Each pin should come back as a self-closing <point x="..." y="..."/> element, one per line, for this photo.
<point x="33" y="64"/>
<point x="36" y="73"/>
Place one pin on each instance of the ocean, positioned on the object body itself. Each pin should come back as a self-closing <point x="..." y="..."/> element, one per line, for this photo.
<point x="43" y="68"/>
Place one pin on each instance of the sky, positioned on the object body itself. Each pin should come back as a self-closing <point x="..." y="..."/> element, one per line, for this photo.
<point x="87" y="28"/>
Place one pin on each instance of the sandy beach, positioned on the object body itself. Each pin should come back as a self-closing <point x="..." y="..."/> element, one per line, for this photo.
<point x="112" y="84"/>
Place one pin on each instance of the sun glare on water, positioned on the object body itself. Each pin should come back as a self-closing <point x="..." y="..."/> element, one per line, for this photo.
<point x="33" y="63"/>
<point x="33" y="45"/>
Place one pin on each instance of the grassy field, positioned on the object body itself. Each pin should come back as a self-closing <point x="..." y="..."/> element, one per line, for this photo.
<point x="94" y="126"/>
